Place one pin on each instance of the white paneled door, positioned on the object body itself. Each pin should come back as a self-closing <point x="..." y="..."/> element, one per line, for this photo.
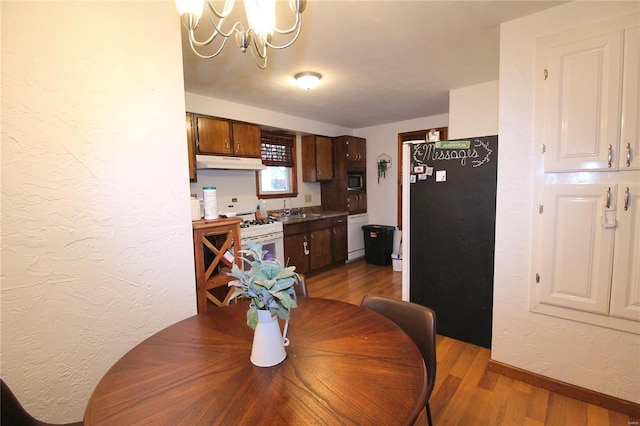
<point x="577" y="246"/>
<point x="625" y="287"/>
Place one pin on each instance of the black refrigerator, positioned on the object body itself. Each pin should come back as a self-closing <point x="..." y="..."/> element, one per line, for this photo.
<point x="451" y="226"/>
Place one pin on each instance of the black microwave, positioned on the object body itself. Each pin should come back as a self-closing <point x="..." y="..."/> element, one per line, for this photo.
<point x="355" y="181"/>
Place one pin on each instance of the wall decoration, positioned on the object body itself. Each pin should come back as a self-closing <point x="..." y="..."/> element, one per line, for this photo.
<point x="384" y="164"/>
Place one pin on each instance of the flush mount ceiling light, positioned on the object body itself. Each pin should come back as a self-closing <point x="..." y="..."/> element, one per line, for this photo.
<point x="307" y="79"/>
<point x="261" y="18"/>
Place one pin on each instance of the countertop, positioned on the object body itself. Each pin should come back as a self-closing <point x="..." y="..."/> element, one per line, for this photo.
<point x="199" y="224"/>
<point x="306" y="216"/>
<point x="311" y="215"/>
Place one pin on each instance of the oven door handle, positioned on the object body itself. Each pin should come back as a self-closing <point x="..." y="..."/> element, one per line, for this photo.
<point x="263" y="238"/>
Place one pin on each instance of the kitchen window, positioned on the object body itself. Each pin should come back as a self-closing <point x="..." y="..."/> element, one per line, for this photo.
<point x="278" y="153"/>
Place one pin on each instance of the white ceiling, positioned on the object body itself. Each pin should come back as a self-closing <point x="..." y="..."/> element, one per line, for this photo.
<point x="381" y="61"/>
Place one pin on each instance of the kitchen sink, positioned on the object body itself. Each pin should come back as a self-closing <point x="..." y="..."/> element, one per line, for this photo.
<point x="300" y="216"/>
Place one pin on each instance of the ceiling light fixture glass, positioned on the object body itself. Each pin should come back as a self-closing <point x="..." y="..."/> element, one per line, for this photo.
<point x="307" y="79"/>
<point x="261" y="18"/>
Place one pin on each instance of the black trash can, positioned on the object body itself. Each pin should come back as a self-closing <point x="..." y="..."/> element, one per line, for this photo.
<point x="378" y="244"/>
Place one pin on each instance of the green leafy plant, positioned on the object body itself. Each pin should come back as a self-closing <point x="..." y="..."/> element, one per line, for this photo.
<point x="267" y="284"/>
<point x="383" y="165"/>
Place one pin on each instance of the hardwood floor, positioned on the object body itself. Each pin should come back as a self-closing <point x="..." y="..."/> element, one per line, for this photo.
<point x="466" y="392"/>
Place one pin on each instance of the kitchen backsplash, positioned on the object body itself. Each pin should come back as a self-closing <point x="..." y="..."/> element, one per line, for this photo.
<point x="241" y="186"/>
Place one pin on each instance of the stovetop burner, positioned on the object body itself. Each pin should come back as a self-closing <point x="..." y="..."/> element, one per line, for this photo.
<point x="252" y="228"/>
<point x="255" y="222"/>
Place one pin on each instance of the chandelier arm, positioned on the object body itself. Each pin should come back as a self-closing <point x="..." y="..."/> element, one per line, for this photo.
<point x="285" y="45"/>
<point x="191" y="41"/>
<point x="226" y="10"/>
<point x="296" y="26"/>
<point x="218" y="28"/>
<point x="217" y="31"/>
<point x="259" y="44"/>
<point x="258" y="60"/>
<point x="192" y="36"/>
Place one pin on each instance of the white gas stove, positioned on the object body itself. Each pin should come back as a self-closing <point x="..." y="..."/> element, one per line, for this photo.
<point x="268" y="232"/>
<point x="252" y="228"/>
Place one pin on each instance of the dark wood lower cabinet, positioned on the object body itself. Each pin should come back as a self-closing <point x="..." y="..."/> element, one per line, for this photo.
<point x="211" y="240"/>
<point x="339" y="239"/>
<point x="295" y="249"/>
<point x="316" y="245"/>
<point x="320" y="248"/>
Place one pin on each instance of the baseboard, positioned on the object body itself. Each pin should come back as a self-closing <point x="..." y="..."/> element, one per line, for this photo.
<point x="609" y="402"/>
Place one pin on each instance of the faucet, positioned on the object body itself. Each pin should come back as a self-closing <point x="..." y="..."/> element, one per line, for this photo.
<point x="285" y="211"/>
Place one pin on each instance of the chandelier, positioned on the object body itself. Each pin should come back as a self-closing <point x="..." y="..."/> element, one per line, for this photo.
<point x="261" y="19"/>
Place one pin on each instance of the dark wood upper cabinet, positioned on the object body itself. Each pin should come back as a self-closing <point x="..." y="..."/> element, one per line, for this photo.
<point x="357" y="202"/>
<point x="213" y="135"/>
<point x="335" y="195"/>
<point x="317" y="158"/>
<point x="191" y="150"/>
<point x="223" y="137"/>
<point x="356" y="153"/>
<point x="246" y="139"/>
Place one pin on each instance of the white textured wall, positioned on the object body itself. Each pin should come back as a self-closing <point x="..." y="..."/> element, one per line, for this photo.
<point x="382" y="198"/>
<point x="601" y="359"/>
<point x="225" y="109"/>
<point x="96" y="242"/>
<point x="473" y="111"/>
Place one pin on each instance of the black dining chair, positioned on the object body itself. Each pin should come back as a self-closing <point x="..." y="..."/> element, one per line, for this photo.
<point x="419" y="322"/>
<point x="13" y="414"/>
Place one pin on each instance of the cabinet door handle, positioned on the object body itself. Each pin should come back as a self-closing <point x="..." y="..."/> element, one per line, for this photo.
<point x="305" y="246"/>
<point x="609" y="155"/>
<point x="628" y="155"/>
<point x="608" y="203"/>
<point x="626" y="199"/>
<point x="226" y="145"/>
<point x="237" y="146"/>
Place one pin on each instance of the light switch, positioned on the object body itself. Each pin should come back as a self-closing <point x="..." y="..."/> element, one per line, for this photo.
<point x="307" y="198"/>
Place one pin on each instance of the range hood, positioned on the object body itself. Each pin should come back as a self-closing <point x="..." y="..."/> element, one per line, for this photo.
<point x="229" y="163"/>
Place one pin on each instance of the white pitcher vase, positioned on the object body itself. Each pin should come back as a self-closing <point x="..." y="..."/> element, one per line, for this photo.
<point x="268" y="344"/>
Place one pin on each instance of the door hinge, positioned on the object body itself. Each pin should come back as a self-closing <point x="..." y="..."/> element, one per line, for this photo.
<point x="546" y="73"/>
<point x="540" y="208"/>
<point x="543" y="148"/>
<point x="537" y="278"/>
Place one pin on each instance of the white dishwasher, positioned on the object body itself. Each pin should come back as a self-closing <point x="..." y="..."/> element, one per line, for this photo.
<point x="355" y="240"/>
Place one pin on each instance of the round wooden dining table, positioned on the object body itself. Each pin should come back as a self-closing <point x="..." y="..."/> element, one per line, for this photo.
<point x="345" y="365"/>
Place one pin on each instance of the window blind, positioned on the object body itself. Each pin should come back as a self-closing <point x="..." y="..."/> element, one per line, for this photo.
<point x="277" y="149"/>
